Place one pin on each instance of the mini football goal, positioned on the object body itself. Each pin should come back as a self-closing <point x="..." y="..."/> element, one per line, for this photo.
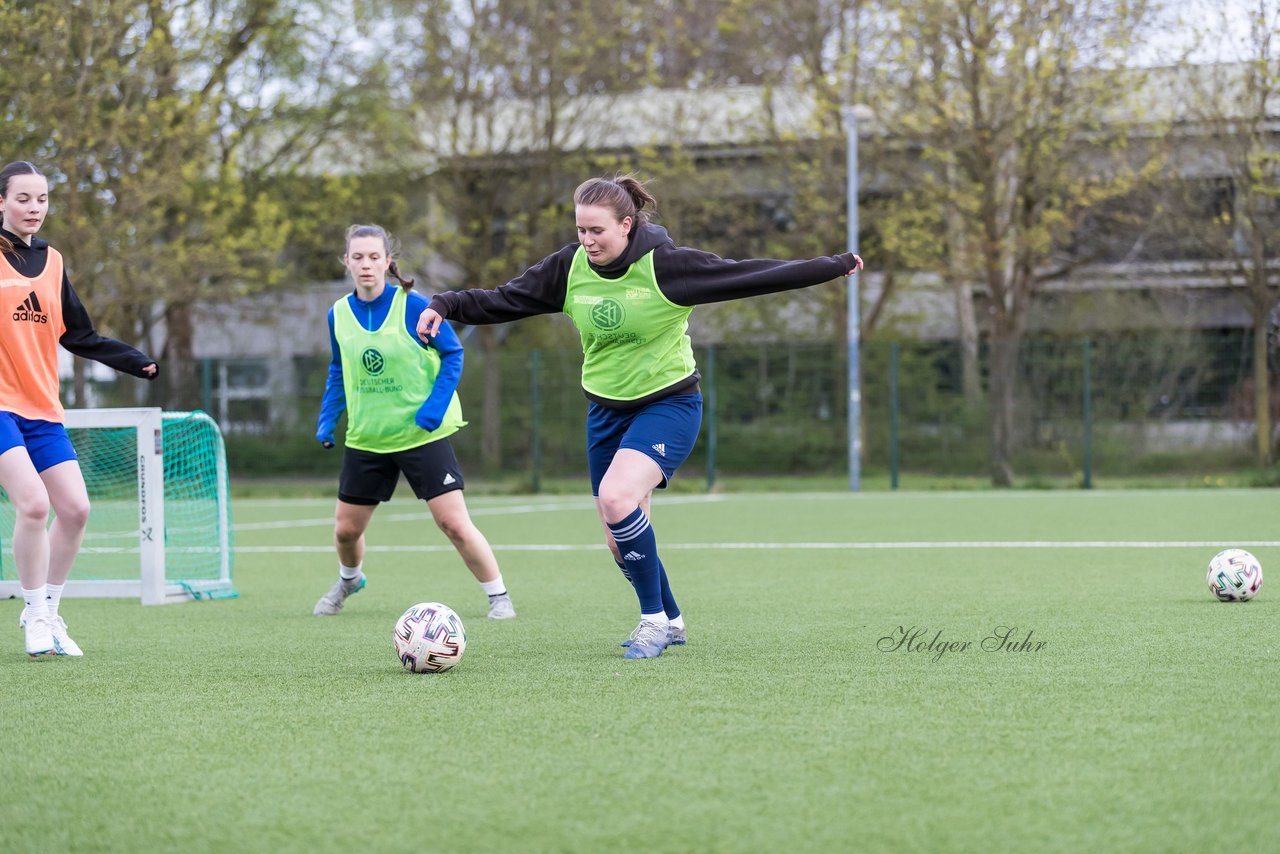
<point x="160" y="517"/>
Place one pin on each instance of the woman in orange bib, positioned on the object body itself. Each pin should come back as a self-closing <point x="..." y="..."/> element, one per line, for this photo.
<point x="38" y="466"/>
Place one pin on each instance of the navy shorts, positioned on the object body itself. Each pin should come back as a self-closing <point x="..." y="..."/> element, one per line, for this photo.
<point x="369" y="478"/>
<point x="664" y="431"/>
<point x="47" y="442"/>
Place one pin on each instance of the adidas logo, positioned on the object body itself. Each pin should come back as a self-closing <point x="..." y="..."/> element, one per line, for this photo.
<point x="633" y="555"/>
<point x="448" y="479"/>
<point x="29" y="309"/>
<point x="661" y="448"/>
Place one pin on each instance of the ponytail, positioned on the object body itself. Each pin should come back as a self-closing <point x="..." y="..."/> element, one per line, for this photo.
<point x="394" y="272"/>
<point x="625" y="195"/>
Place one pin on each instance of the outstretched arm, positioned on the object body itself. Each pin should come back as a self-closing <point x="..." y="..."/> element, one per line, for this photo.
<point x="693" y="277"/>
<point x="83" y="340"/>
<point x="538" y="290"/>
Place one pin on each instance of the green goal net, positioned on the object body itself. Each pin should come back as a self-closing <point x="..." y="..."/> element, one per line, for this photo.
<point x="160" y="517"/>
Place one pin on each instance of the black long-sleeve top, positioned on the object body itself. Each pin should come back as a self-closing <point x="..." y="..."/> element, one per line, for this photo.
<point x="685" y="276"/>
<point x="80" y="336"/>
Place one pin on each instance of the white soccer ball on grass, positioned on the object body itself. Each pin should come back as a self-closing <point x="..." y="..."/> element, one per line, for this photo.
<point x="1234" y="575"/>
<point x="429" y="638"/>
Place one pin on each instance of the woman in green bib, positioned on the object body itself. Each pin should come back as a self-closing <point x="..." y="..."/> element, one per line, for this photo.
<point x="401" y="401"/>
<point x="629" y="291"/>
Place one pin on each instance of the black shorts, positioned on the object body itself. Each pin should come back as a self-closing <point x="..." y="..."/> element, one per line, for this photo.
<point x="369" y="478"/>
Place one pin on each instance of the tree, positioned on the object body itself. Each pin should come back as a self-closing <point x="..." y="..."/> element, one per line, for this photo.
<point x="127" y="153"/>
<point x="1232" y="110"/>
<point x="158" y="122"/>
<point x="827" y="55"/>
<point x="513" y="97"/>
<point x="1015" y="102"/>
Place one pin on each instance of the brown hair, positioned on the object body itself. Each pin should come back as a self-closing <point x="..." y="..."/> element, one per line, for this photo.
<point x="623" y="194"/>
<point x="389" y="244"/>
<point x="17" y="167"/>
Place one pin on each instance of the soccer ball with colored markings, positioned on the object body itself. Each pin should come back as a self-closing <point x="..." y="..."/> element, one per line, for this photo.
<point x="1234" y="575"/>
<point x="429" y="638"/>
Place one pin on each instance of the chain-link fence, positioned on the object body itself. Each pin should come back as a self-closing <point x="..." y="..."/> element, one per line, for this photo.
<point x="1122" y="405"/>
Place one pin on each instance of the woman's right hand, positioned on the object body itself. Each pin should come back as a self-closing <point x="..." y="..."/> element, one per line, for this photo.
<point x="429" y="323"/>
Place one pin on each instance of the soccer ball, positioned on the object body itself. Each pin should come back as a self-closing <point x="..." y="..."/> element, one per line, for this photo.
<point x="1234" y="575"/>
<point x="429" y="638"/>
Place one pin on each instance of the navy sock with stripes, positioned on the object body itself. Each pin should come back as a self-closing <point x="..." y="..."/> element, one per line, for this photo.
<point x="639" y="550"/>
<point x="668" y="599"/>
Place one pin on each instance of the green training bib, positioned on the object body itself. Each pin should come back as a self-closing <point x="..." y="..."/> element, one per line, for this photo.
<point x="386" y="376"/>
<point x="634" y="340"/>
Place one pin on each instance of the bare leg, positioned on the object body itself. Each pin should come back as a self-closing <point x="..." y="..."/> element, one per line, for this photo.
<point x="629" y="483"/>
<point x="450" y="512"/>
<point x="70" y="500"/>
<point x="30" y="501"/>
<point x="350" y="523"/>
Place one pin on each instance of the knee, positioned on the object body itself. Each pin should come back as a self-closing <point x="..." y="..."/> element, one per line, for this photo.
<point x="454" y="527"/>
<point x="345" y="532"/>
<point x="617" y="505"/>
<point x="75" y="515"/>
<point x="32" y="509"/>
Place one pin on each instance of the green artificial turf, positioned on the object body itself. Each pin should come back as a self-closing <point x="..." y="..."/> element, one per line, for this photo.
<point x="1139" y="715"/>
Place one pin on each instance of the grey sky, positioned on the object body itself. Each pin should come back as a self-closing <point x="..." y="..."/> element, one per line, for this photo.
<point x="1209" y="31"/>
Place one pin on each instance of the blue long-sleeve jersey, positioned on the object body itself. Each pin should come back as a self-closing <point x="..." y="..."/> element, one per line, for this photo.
<point x="372" y="315"/>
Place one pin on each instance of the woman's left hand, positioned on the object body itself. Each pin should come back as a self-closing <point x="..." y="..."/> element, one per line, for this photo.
<point x="857" y="266"/>
<point x="150" y="370"/>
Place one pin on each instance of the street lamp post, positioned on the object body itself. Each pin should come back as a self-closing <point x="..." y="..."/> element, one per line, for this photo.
<point x="850" y="115"/>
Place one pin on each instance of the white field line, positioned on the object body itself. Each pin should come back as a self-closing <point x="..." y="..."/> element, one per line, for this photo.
<point x="898" y="495"/>
<point x="954" y="544"/>
<point x="481" y="509"/>
<point x="424" y="515"/>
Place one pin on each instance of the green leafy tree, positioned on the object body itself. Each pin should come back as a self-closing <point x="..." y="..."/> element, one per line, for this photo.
<point x="1015" y="103"/>
<point x="157" y="122"/>
<point x="511" y="95"/>
<point x="1232" y="105"/>
<point x="150" y="221"/>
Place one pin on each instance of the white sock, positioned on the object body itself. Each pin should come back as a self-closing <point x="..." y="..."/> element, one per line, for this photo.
<point x="678" y="622"/>
<point x="495" y="587"/>
<point x="53" y="597"/>
<point x="35" y="599"/>
<point x="350" y="573"/>
<point x="660" y="618"/>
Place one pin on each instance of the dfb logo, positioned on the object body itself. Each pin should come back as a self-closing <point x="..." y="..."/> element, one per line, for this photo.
<point x="607" y="314"/>
<point x="372" y="361"/>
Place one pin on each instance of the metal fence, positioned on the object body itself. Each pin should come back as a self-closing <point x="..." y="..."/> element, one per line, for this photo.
<point x="1114" y="405"/>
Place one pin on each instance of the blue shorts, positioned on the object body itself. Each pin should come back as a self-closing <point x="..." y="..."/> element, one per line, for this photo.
<point x="47" y="442"/>
<point x="664" y="431"/>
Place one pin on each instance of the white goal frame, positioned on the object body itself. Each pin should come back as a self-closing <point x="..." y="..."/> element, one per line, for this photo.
<point x="151" y="585"/>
